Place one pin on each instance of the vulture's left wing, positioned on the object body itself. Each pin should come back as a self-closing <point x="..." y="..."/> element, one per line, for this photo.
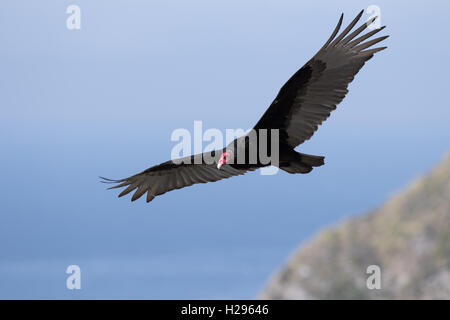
<point x="309" y="96"/>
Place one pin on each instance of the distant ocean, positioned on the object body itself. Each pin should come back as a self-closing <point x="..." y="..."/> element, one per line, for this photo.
<point x="213" y="241"/>
<point x="190" y="275"/>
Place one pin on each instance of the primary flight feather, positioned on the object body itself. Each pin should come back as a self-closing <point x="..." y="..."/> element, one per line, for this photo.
<point x="302" y="104"/>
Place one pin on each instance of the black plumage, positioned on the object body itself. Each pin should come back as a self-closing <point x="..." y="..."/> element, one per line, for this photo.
<point x="302" y="104"/>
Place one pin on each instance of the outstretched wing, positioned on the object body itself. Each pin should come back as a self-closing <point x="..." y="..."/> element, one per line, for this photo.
<point x="175" y="174"/>
<point x="309" y="96"/>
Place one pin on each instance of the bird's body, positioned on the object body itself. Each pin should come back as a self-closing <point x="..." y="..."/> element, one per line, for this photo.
<point x="302" y="104"/>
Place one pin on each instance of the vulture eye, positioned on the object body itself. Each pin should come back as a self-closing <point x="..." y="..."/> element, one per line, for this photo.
<point x="224" y="157"/>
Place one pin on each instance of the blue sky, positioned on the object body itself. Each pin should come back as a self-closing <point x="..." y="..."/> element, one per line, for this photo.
<point x="104" y="100"/>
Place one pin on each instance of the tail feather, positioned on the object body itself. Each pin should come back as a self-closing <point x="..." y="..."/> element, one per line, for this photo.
<point x="296" y="167"/>
<point x="303" y="163"/>
<point x="313" y="161"/>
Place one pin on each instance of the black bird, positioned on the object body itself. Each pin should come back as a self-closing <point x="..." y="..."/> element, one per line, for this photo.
<point x="302" y="104"/>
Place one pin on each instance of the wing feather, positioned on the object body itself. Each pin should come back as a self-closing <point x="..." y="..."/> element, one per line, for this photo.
<point x="306" y="100"/>
<point x="173" y="175"/>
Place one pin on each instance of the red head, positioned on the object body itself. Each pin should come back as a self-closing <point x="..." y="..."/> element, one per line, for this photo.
<point x="224" y="159"/>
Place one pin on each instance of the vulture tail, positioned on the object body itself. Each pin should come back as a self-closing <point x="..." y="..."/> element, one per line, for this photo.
<point x="314" y="161"/>
<point x="303" y="163"/>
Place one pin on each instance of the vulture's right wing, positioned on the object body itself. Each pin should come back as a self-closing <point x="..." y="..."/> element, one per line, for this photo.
<point x="173" y="175"/>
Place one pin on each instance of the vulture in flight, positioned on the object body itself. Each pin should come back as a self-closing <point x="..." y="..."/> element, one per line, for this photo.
<point x="302" y="104"/>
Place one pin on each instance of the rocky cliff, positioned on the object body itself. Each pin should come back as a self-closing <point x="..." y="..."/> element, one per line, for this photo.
<point x="408" y="239"/>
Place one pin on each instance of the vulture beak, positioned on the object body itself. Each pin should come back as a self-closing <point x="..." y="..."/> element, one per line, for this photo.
<point x="223" y="159"/>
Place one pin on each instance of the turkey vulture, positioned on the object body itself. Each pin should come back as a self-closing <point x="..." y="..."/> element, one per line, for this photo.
<point x="302" y="104"/>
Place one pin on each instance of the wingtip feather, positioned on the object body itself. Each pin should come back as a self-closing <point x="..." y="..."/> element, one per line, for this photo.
<point x="347" y="30"/>
<point x="336" y="30"/>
